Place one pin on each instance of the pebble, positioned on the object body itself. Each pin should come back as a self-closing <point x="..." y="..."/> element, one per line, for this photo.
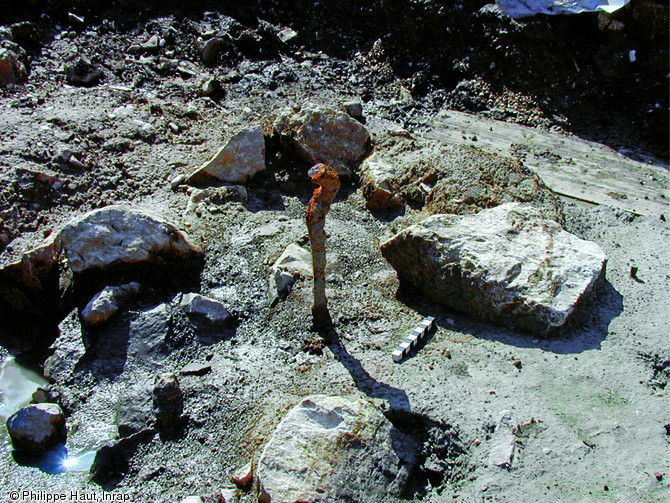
<point x="196" y="369"/>
<point x="287" y="35"/>
<point x="243" y="477"/>
<point x="354" y="108"/>
<point x="177" y="181"/>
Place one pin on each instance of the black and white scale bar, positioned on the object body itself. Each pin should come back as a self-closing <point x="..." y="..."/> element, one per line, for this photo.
<point x="413" y="339"/>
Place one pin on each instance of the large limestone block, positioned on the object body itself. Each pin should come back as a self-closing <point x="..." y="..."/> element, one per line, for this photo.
<point x="330" y="448"/>
<point x="506" y="264"/>
<point x="98" y="240"/>
<point x="121" y="234"/>
<point x="322" y="135"/>
<point x="237" y="161"/>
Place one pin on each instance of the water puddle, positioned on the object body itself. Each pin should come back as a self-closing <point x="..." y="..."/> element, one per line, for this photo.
<point x="17" y="385"/>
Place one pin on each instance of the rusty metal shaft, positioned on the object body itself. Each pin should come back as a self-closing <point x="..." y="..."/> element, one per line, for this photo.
<point x="328" y="184"/>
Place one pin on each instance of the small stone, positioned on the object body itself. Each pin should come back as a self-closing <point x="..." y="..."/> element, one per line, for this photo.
<point x="111" y="460"/>
<point x="168" y="400"/>
<point x="149" y="46"/>
<point x="107" y="302"/>
<point x="82" y="72"/>
<point x="287" y="35"/>
<point x="659" y="476"/>
<point x="67" y="349"/>
<point x="216" y="196"/>
<point x="503" y="442"/>
<point x="546" y="451"/>
<point x="243" y="477"/>
<point x="354" y="108"/>
<point x="379" y="184"/>
<point x="228" y="495"/>
<point x="211" y="48"/>
<point x="295" y="261"/>
<point x="12" y="69"/>
<point x="204" y="309"/>
<point x="196" y="369"/>
<point x="174" y="127"/>
<point x="210" y="86"/>
<point x="177" y="181"/>
<point x="134" y="410"/>
<point x="517" y="364"/>
<point x="36" y="428"/>
<point x="74" y="19"/>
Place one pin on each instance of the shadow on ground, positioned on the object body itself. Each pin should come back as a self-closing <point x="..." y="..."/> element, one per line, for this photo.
<point x="586" y="331"/>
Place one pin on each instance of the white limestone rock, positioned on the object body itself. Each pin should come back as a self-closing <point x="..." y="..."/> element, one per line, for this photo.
<point x="294" y="262"/>
<point x="506" y="265"/>
<point x="503" y="441"/>
<point x="121" y="234"/>
<point x="379" y="183"/>
<point x="331" y="448"/>
<point x="237" y="161"/>
<point x="323" y="135"/>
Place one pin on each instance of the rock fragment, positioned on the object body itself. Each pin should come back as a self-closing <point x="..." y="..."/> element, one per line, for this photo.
<point x="212" y="197"/>
<point x="81" y="72"/>
<point x="134" y="410"/>
<point x="503" y="441"/>
<point x="294" y="262"/>
<point x="121" y="235"/>
<point x="36" y="428"/>
<point x="168" y="400"/>
<point x="212" y="47"/>
<point x="379" y="182"/>
<point x="151" y="45"/>
<point x="237" y="162"/>
<point x="12" y="69"/>
<point x="100" y="240"/>
<point x="243" y="477"/>
<point x="507" y="265"/>
<point x="287" y="35"/>
<point x="447" y="179"/>
<point x="323" y="135"/>
<point x="354" y="108"/>
<point x="111" y="461"/>
<point x="107" y="302"/>
<point x="331" y="448"/>
<point x="205" y="310"/>
<point x="67" y="349"/>
<point x="196" y="369"/>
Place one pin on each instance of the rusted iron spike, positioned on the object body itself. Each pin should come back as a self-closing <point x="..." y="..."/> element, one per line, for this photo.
<point x="328" y="184"/>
